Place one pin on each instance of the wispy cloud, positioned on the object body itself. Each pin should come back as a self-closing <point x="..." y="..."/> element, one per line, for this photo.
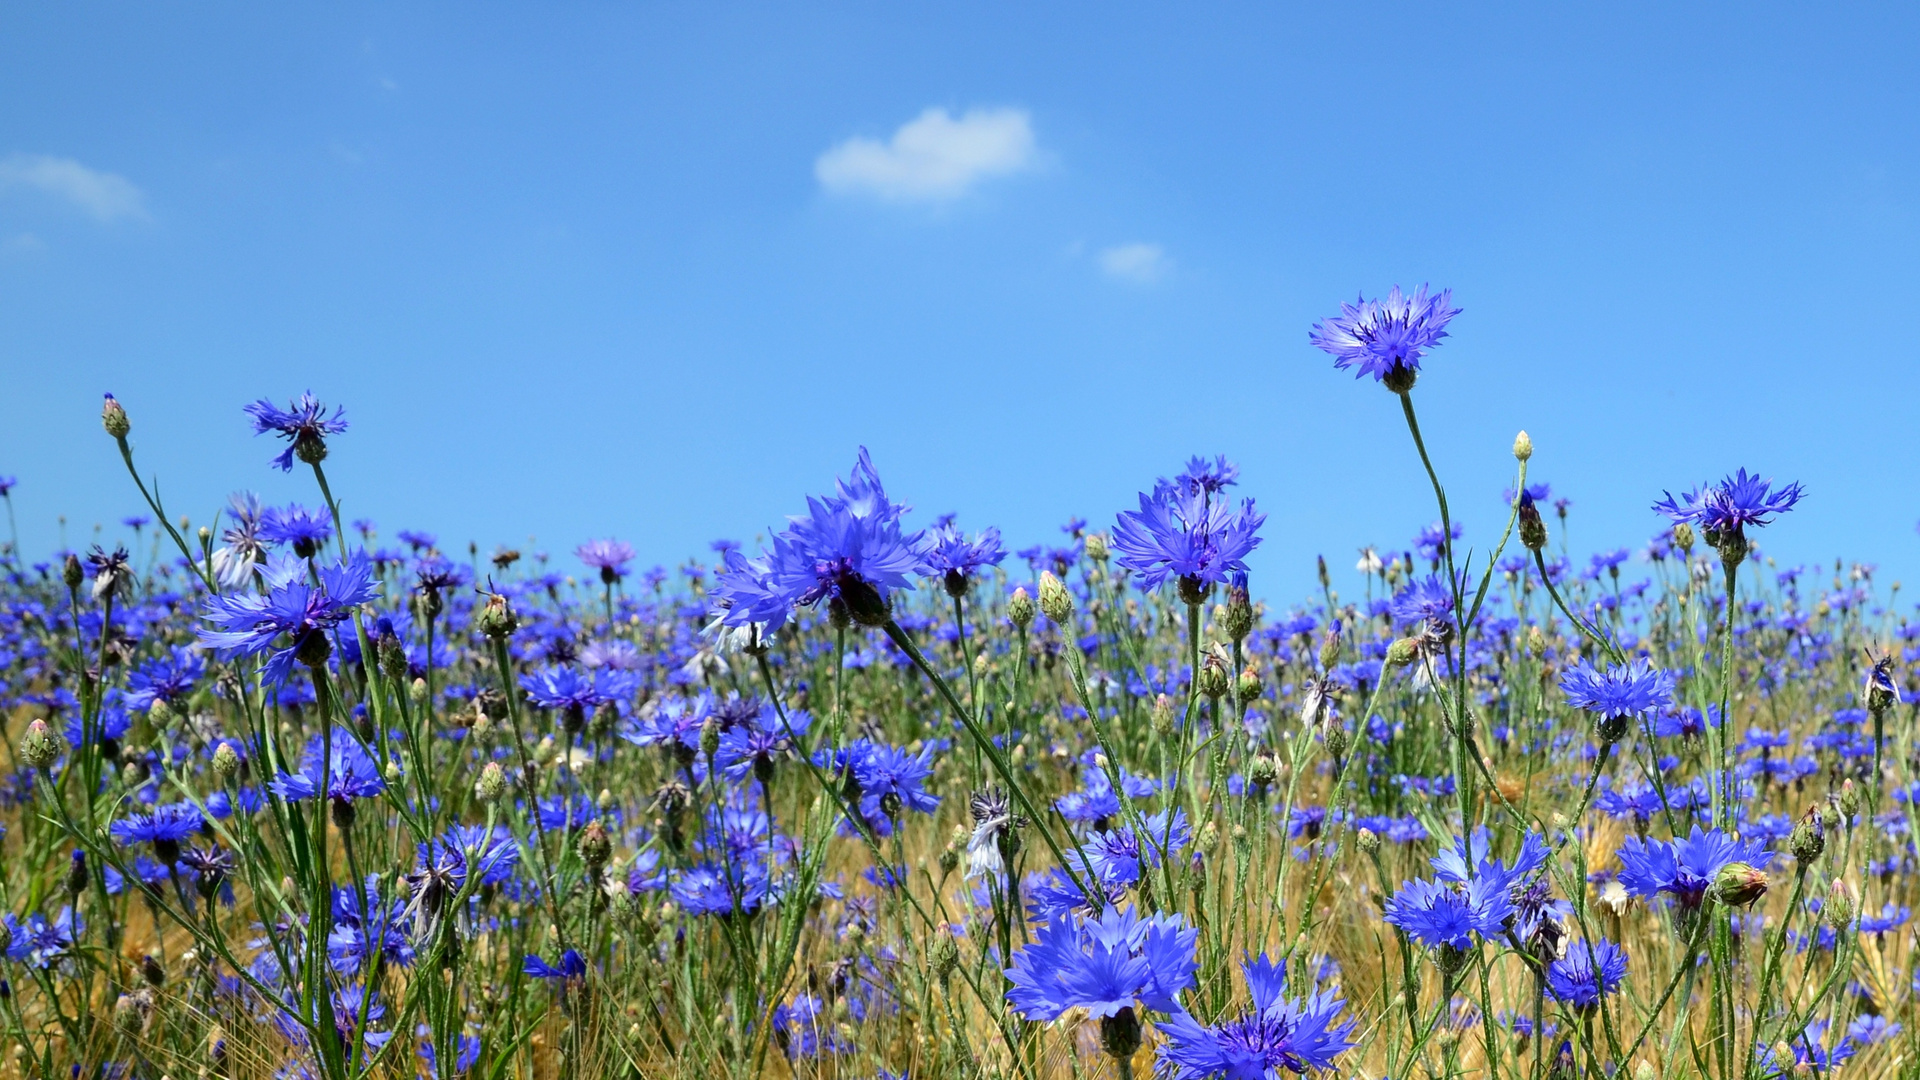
<point x="934" y="157"/>
<point x="103" y="195"/>
<point x="1139" y="263"/>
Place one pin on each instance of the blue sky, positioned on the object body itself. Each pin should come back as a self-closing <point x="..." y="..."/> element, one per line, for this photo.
<point x="656" y="271"/>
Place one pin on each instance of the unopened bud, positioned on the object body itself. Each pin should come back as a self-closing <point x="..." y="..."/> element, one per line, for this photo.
<point x="595" y="846"/>
<point x="1020" y="609"/>
<point x="1368" y="841"/>
<point x="1739" y="885"/>
<point x="946" y="952"/>
<point x="1849" y="800"/>
<point x="114" y="418"/>
<point x="226" y="761"/>
<point x="1402" y="652"/>
<point x="1096" y="547"/>
<point x="71" y="572"/>
<point x="492" y="783"/>
<point x="1536" y="642"/>
<point x="1212" y="679"/>
<point x="1808" y="838"/>
<point x="709" y="737"/>
<point x="40" y="747"/>
<point x="1248" y="686"/>
<point x="1683" y="536"/>
<point x="1237" y="623"/>
<point x="1163" y="717"/>
<point x="418" y="692"/>
<point x="496" y="618"/>
<point x="1055" y="602"/>
<point x="1522" y="446"/>
<point x="1842" y="903"/>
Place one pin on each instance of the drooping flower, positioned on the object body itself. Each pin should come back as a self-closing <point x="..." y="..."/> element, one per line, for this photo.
<point x="1385" y="337"/>
<point x="304" y="423"/>
<point x="248" y="624"/>
<point x="1187" y="530"/>
<point x="1277" y="1033"/>
<point x="1725" y="509"/>
<point x="571" y="966"/>
<point x="1104" y="964"/>
<point x="1684" y="869"/>
<point x="1589" y="971"/>
<point x="111" y="571"/>
<point x="244" y="547"/>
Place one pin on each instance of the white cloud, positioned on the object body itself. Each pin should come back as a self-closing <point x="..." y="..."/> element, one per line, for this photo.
<point x="103" y="195"/>
<point x="1138" y="263"/>
<point x="933" y="157"/>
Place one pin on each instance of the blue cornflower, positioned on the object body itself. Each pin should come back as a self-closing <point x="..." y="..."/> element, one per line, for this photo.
<point x="1686" y="722"/>
<point x="1427" y="603"/>
<point x="165" y="829"/>
<point x="1387" y="337"/>
<point x="1277" y="1033"/>
<point x="1725" y="509"/>
<point x="351" y="774"/>
<point x="571" y="966"/>
<point x="849" y="547"/>
<point x="1104" y="965"/>
<point x="954" y="559"/>
<point x="1588" y="972"/>
<point x="610" y="557"/>
<point x="304" y="423"/>
<point x="1183" y="532"/>
<point x="248" y="624"/>
<point x="306" y="531"/>
<point x="1685" y="869"/>
<point x="494" y="855"/>
<point x="892" y="781"/>
<point x="164" y="678"/>
<point x="754" y="746"/>
<point x="576" y="694"/>
<point x="1618" y="695"/>
<point x="723" y="890"/>
<point x="1474" y="894"/>
<point x="354" y="940"/>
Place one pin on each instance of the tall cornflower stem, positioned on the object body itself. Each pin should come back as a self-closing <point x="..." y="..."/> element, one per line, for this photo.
<point x="1723" y="808"/>
<point x="1770" y="968"/>
<point x="550" y="885"/>
<point x="205" y="570"/>
<point x="1000" y="764"/>
<point x="866" y="834"/>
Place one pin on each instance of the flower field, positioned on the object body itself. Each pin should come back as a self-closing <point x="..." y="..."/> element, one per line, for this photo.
<point x="877" y="797"/>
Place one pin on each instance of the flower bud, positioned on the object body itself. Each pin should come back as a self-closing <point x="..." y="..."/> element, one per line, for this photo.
<point x="393" y="657"/>
<point x="1738" y="885"/>
<point x="1808" y="838"/>
<point x="1402" y="652"/>
<point x="40" y="747"/>
<point x="1163" y="717"/>
<point x="1238" y="620"/>
<point x="71" y="572"/>
<point x="1263" y="771"/>
<point x="1020" y="610"/>
<point x="114" y="418"/>
<point x="1248" y="687"/>
<point x="1849" y="800"/>
<point x="161" y="714"/>
<point x="1337" y="739"/>
<point x="709" y="737"/>
<point x="492" y="783"/>
<point x="1368" y="841"/>
<point x="1533" y="531"/>
<point x="1842" y="904"/>
<point x="496" y="619"/>
<point x="946" y="952"/>
<point x="1683" y="536"/>
<point x="1096" y="547"/>
<point x="1212" y="679"/>
<point x="595" y="846"/>
<point x="1055" y="602"/>
<point x="417" y="692"/>
<point x="1522" y="446"/>
<point x="226" y="761"/>
<point x="1330" y="648"/>
<point x="1536" y="642"/>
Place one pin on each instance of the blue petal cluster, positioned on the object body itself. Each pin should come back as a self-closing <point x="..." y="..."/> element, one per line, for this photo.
<point x="1103" y="965"/>
<point x="1277" y="1033"/>
<point x="1187" y="530"/>
<point x="1376" y="336"/>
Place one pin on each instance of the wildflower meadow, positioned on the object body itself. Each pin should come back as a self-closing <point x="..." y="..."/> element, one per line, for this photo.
<point x="877" y="796"/>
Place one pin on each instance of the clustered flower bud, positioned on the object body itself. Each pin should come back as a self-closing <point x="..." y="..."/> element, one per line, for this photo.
<point x="491" y="785"/>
